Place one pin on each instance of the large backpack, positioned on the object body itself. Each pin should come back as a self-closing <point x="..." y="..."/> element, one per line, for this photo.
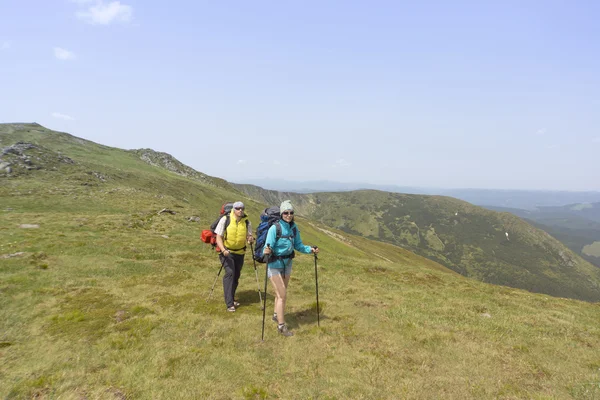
<point x="269" y="217"/>
<point x="208" y="235"/>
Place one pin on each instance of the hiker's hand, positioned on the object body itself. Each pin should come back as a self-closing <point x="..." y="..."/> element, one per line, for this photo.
<point x="250" y="239"/>
<point x="267" y="250"/>
<point x="226" y="251"/>
<point x="314" y="249"/>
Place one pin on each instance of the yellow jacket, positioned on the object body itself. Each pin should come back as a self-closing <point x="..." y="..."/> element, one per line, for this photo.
<point x="234" y="237"/>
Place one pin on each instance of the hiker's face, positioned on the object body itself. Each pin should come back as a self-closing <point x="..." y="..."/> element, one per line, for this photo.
<point x="287" y="215"/>
<point x="239" y="211"/>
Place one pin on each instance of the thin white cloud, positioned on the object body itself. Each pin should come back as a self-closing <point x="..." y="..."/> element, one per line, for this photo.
<point x="276" y="162"/>
<point x="106" y="13"/>
<point x="5" y="45"/>
<point x="63" y="54"/>
<point x="63" y="116"/>
<point x="241" y="161"/>
<point x="341" y="163"/>
<point x="541" y="132"/>
<point x="596" y="139"/>
<point x="553" y="146"/>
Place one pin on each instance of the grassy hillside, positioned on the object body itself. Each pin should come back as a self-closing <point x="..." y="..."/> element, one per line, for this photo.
<point x="102" y="296"/>
<point x="573" y="225"/>
<point x="581" y="241"/>
<point x="467" y="239"/>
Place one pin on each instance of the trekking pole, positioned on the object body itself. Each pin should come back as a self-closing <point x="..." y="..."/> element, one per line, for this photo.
<point x="265" y="300"/>
<point x="214" y="283"/>
<point x="317" y="287"/>
<point x="256" y="274"/>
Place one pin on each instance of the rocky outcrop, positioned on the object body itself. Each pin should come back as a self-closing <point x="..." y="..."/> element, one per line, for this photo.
<point x="170" y="163"/>
<point x="23" y="157"/>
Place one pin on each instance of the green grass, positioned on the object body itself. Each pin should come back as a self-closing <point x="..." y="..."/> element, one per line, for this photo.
<point x="101" y="305"/>
<point x="100" y="322"/>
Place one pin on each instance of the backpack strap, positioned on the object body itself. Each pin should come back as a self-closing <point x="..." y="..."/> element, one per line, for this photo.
<point x="279" y="234"/>
<point x="227" y="221"/>
<point x="291" y="255"/>
<point x="291" y="237"/>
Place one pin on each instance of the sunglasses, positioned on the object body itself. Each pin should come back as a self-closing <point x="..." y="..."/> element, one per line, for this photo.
<point x="239" y="208"/>
<point x="287" y="213"/>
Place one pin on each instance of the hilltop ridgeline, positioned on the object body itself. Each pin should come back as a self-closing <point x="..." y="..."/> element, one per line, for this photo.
<point x="30" y="146"/>
<point x="170" y="163"/>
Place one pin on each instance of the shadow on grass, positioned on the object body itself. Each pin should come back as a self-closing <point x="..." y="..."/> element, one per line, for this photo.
<point x="251" y="298"/>
<point x="304" y="317"/>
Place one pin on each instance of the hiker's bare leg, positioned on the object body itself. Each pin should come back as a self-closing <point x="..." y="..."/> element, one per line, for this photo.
<point x="280" y="286"/>
<point x="286" y="281"/>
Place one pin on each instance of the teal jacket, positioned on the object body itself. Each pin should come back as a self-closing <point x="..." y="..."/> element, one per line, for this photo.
<point x="284" y="246"/>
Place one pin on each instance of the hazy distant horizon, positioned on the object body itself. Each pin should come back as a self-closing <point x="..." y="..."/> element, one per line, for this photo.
<point x="367" y="185"/>
<point x="510" y="198"/>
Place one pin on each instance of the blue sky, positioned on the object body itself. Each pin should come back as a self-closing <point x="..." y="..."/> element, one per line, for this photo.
<point x="500" y="94"/>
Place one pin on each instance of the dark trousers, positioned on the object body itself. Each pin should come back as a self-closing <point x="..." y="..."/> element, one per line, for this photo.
<point x="233" y="269"/>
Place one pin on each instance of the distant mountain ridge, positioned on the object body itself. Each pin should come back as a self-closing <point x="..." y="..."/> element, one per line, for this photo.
<point x="579" y="214"/>
<point x="588" y="211"/>
<point x="465" y="238"/>
<point x="521" y="199"/>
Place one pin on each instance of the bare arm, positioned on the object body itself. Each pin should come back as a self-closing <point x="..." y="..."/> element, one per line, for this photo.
<point x="219" y="230"/>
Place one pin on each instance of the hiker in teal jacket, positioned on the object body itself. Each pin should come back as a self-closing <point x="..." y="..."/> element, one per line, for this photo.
<point x="280" y="262"/>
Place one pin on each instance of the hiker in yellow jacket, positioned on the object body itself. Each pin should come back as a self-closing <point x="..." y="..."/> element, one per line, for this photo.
<point x="233" y="232"/>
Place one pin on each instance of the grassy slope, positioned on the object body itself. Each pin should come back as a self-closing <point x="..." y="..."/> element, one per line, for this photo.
<point x="577" y="239"/>
<point x="577" y="230"/>
<point x="468" y="239"/>
<point x="101" y="305"/>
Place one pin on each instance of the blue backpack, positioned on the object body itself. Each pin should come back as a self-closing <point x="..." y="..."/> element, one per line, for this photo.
<point x="269" y="217"/>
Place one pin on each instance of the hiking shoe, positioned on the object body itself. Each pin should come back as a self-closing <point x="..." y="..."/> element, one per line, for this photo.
<point x="231" y="309"/>
<point x="283" y="330"/>
<point x="274" y="318"/>
<point x="236" y="303"/>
